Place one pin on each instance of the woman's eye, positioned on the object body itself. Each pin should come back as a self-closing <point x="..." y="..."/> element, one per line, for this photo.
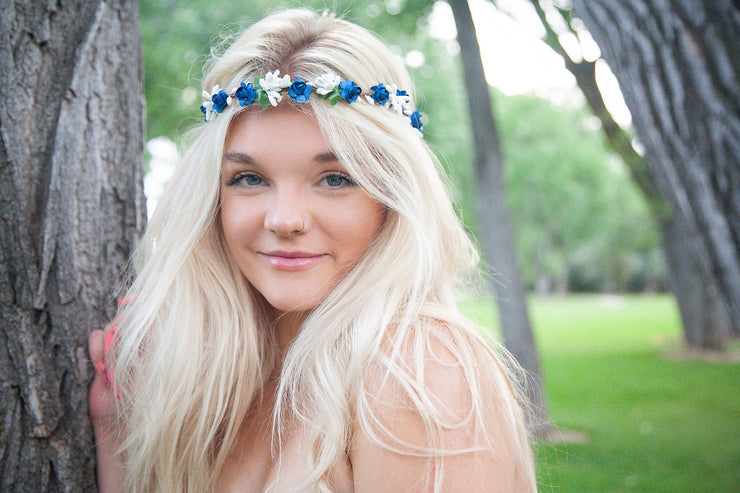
<point x="248" y="179"/>
<point x="337" y="180"/>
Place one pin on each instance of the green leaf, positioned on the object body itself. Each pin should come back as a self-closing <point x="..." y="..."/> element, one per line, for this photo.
<point x="263" y="99"/>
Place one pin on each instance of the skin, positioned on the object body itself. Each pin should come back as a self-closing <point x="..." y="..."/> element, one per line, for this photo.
<point x="102" y="410"/>
<point x="294" y="222"/>
<point x="292" y="218"/>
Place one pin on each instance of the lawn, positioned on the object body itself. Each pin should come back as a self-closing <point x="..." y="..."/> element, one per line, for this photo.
<point x="654" y="423"/>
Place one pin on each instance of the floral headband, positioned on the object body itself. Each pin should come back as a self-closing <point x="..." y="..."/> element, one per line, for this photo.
<point x="268" y="91"/>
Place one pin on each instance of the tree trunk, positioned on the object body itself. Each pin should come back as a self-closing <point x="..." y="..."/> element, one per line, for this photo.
<point x="704" y="315"/>
<point x="703" y="311"/>
<point x="678" y="65"/>
<point x="496" y="234"/>
<point x="71" y="206"/>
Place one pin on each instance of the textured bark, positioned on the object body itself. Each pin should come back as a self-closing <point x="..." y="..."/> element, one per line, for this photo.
<point x="704" y="315"/>
<point x="678" y="64"/>
<point x="496" y="233"/>
<point x="703" y="312"/>
<point x="71" y="207"/>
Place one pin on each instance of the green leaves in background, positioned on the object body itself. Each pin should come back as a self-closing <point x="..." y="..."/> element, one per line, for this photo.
<point x="580" y="223"/>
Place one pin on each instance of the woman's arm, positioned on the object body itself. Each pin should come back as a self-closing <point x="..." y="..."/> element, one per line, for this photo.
<point x="102" y="410"/>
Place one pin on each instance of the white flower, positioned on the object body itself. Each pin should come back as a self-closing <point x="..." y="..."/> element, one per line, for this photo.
<point x="275" y="96"/>
<point x="208" y="103"/>
<point x="273" y="85"/>
<point x="397" y="102"/>
<point x="214" y="90"/>
<point x="325" y="84"/>
<point x="272" y="81"/>
<point x="208" y="109"/>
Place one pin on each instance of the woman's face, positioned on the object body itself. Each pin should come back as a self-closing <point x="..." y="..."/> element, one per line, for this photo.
<point x="291" y="216"/>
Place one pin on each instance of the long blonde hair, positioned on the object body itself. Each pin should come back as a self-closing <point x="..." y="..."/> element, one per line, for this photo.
<point x="196" y="347"/>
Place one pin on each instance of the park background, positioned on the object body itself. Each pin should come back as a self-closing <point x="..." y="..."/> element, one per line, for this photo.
<point x="633" y="408"/>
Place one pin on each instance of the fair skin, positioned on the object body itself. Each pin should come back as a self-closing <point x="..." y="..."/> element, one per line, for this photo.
<point x="102" y="410"/>
<point x="295" y="222"/>
<point x="292" y="218"/>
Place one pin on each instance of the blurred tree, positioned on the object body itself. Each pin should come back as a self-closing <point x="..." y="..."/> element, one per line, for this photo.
<point x="495" y="231"/>
<point x="678" y="64"/>
<point x="588" y="262"/>
<point x="71" y="137"/>
<point x="704" y="314"/>
<point x="580" y="222"/>
<point x="597" y="236"/>
<point x="176" y="36"/>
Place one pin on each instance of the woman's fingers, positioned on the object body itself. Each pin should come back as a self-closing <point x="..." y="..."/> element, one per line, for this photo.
<point x="96" y="348"/>
<point x="101" y="400"/>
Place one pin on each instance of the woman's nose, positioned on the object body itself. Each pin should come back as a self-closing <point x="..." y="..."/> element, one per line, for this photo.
<point x="285" y="213"/>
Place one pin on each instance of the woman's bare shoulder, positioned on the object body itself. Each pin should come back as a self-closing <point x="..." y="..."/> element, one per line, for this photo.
<point x="437" y="394"/>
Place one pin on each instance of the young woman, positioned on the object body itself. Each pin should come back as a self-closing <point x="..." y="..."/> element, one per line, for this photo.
<point x="292" y="323"/>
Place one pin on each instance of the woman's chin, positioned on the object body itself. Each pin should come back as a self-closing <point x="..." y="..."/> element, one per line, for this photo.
<point x="282" y="306"/>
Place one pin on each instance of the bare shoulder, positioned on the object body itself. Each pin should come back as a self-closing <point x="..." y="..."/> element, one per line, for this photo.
<point x="437" y="407"/>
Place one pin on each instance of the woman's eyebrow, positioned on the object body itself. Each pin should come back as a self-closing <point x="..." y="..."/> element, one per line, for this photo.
<point x="325" y="157"/>
<point x="244" y="158"/>
<point x="237" y="157"/>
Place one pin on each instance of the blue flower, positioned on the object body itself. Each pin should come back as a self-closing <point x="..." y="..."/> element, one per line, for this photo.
<point x="401" y="93"/>
<point x="220" y="100"/>
<point x="246" y="94"/>
<point x="416" y="120"/>
<point x="350" y="91"/>
<point x="380" y="94"/>
<point x="299" y="90"/>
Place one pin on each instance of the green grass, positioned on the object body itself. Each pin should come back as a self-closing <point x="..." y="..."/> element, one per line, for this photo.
<point x="654" y="424"/>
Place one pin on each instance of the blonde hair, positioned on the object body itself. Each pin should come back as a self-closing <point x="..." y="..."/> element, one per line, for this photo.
<point x="195" y="348"/>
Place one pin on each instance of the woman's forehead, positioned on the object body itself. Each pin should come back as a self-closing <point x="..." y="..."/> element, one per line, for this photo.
<point x="276" y="131"/>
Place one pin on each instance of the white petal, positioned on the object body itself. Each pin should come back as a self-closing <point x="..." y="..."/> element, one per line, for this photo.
<point x="275" y="97"/>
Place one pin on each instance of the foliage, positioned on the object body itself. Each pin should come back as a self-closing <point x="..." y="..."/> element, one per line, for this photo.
<point x="655" y="423"/>
<point x="178" y="35"/>
<point x="579" y="222"/>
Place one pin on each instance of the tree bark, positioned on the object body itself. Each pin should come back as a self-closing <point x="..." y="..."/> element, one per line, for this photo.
<point x="496" y="233"/>
<point x="703" y="312"/>
<point x="704" y="315"/>
<point x="678" y="66"/>
<point x="71" y="206"/>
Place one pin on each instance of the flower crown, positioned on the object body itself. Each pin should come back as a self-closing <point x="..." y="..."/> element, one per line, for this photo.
<point x="268" y="91"/>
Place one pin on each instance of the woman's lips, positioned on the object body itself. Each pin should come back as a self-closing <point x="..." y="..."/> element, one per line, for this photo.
<point x="292" y="260"/>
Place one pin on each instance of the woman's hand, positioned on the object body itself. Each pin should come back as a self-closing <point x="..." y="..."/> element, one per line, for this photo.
<point x="101" y="399"/>
<point x="102" y="410"/>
